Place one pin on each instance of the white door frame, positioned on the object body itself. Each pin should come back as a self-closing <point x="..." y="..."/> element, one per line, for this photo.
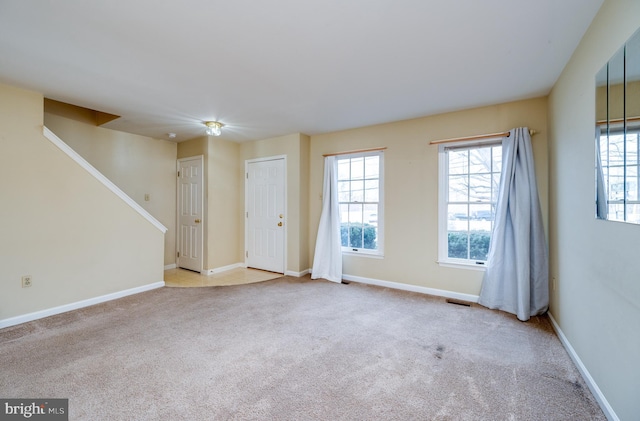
<point x="202" y="208"/>
<point x="246" y="207"/>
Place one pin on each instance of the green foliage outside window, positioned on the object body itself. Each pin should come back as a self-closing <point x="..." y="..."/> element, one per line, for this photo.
<point x="476" y="243"/>
<point x="351" y="236"/>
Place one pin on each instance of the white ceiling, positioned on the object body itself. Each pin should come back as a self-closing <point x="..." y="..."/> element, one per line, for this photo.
<point x="275" y="67"/>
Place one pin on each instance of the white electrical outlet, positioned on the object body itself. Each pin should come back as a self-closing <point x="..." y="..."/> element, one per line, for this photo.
<point x="26" y="281"/>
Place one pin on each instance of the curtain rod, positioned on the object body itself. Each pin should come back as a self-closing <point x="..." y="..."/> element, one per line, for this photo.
<point x="356" y="151"/>
<point x="477" y="137"/>
<point x="617" y="120"/>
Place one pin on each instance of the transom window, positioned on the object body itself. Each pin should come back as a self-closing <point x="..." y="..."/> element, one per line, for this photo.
<point x="360" y="196"/>
<point x="469" y="182"/>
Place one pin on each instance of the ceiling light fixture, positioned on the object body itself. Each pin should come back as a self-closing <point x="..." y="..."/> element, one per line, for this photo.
<point x="214" y="128"/>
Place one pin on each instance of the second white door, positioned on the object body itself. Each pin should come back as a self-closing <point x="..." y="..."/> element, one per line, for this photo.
<point x="265" y="215"/>
<point x="190" y="181"/>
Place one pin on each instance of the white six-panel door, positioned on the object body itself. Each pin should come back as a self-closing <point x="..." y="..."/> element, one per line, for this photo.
<point x="265" y="214"/>
<point x="190" y="211"/>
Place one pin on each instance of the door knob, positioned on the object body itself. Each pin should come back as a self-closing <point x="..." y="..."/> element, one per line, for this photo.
<point x="280" y="223"/>
<point x="197" y="221"/>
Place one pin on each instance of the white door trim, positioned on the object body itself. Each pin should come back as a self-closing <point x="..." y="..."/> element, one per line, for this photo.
<point x="246" y="207"/>
<point x="202" y="207"/>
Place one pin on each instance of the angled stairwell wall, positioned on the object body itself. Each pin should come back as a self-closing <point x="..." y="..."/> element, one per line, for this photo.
<point x="59" y="224"/>
<point x="143" y="167"/>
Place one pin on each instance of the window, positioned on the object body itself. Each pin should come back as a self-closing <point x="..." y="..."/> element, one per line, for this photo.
<point x="620" y="174"/>
<point x="469" y="182"/>
<point x="360" y="198"/>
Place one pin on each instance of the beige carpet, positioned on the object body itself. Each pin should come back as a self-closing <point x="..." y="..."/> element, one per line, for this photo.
<point x="294" y="349"/>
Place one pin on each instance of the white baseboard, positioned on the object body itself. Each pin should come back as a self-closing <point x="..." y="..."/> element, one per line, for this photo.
<point x="223" y="269"/>
<point x="297" y="274"/>
<point x="597" y="393"/>
<point x="167" y="267"/>
<point x="243" y="265"/>
<point x="12" y="321"/>
<point x="413" y="288"/>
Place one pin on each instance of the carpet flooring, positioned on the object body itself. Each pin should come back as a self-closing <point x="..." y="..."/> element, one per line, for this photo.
<point x="294" y="349"/>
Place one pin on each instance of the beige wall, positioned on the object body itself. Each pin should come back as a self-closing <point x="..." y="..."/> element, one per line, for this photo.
<point x="304" y="261"/>
<point x="617" y="106"/>
<point x="59" y="224"/>
<point x="223" y="193"/>
<point x="295" y="147"/>
<point x="138" y="165"/>
<point x="597" y="299"/>
<point x="411" y="188"/>
<point x="193" y="147"/>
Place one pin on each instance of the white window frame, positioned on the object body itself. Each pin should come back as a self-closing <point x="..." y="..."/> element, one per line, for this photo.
<point x="379" y="252"/>
<point x="443" y="187"/>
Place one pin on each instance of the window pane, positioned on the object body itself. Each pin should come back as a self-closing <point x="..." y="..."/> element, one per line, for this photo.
<point x="371" y="214"/>
<point x="458" y="188"/>
<point x="617" y="172"/>
<point x="458" y="162"/>
<point x="372" y="167"/>
<point x="480" y="188"/>
<point x="616" y="212"/>
<point x="357" y="168"/>
<point x="633" y="213"/>
<point x="355" y="225"/>
<point x="343" y="191"/>
<point x="344" y="213"/>
<point x="357" y="191"/>
<point x="344" y="169"/>
<point x="604" y="153"/>
<point x="482" y="213"/>
<point x="480" y="160"/>
<point x="479" y="245"/>
<point x="632" y="185"/>
<point x="481" y="218"/>
<point x="370" y="227"/>
<point x="458" y="244"/>
<point x="616" y="150"/>
<point x="371" y="191"/>
<point x="355" y="214"/>
<point x="632" y="149"/>
<point x="344" y="224"/>
<point x="496" y="151"/>
<point x="355" y="236"/>
<point x="457" y="218"/>
<point x="616" y="183"/>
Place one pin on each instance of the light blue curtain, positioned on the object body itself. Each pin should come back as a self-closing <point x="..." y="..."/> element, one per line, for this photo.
<point x="516" y="279"/>
<point x="327" y="260"/>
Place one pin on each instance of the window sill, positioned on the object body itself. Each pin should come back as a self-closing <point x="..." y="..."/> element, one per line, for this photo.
<point x="462" y="265"/>
<point x="361" y="254"/>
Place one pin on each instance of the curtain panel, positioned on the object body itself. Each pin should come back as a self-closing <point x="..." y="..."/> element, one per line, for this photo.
<point x="516" y="279"/>
<point x="327" y="259"/>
